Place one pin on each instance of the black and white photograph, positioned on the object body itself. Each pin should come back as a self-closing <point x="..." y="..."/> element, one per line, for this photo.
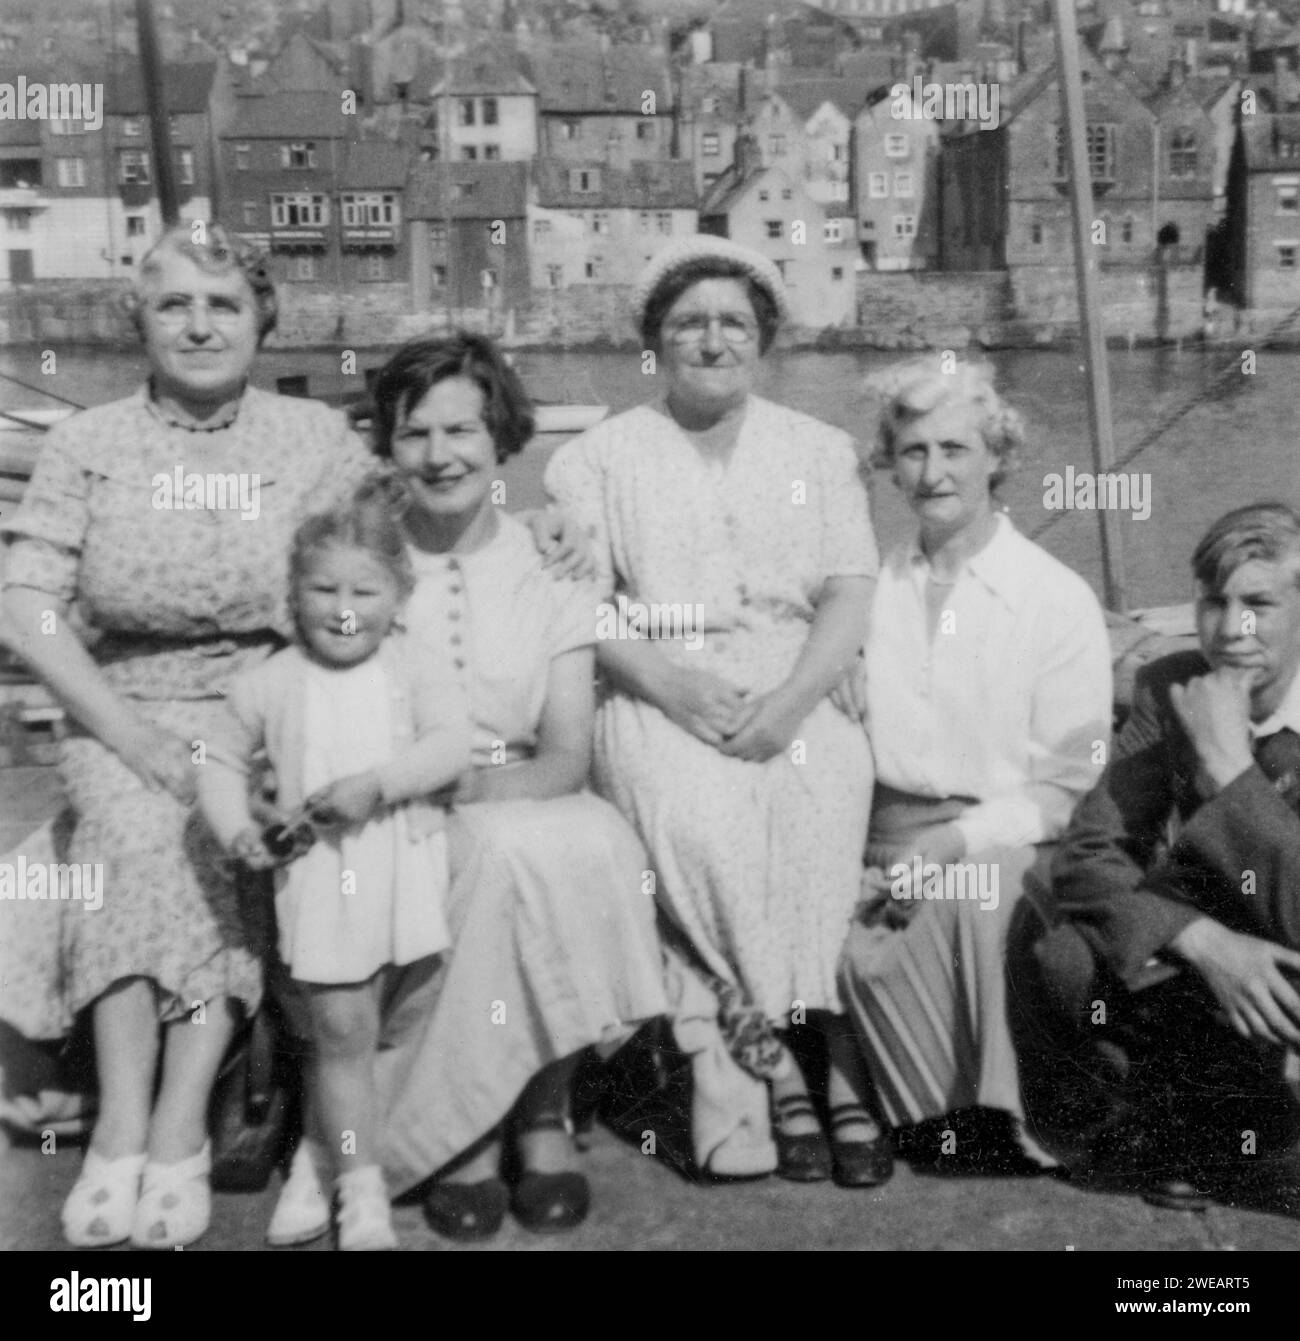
<point x="650" y="625"/>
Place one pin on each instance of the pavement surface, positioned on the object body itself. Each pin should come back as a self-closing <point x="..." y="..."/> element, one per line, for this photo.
<point x="645" y="1202"/>
<point x="639" y="1203"/>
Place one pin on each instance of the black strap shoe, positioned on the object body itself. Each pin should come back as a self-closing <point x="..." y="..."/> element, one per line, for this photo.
<point x="860" y="1163"/>
<point x="805" y="1158"/>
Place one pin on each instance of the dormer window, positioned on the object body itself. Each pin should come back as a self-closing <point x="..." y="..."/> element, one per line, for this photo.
<point x="584" y="181"/>
<point x="298" y="156"/>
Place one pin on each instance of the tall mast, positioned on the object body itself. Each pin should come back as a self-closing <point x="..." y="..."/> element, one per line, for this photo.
<point x="155" y="100"/>
<point x="1085" y="269"/>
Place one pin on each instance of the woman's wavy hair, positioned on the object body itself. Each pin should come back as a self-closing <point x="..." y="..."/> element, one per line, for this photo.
<point x="219" y="253"/>
<point x="905" y="391"/>
<point x="421" y="364"/>
<point x="1267" y="531"/>
<point x="368" y="522"/>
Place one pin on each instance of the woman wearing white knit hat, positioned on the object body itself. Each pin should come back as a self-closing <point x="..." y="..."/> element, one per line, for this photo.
<point x="735" y="537"/>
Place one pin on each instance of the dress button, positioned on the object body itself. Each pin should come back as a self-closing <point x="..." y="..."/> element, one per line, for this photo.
<point x="459" y="663"/>
<point x="455" y="589"/>
<point x="454" y="565"/>
<point x="453" y="614"/>
<point x="455" y="639"/>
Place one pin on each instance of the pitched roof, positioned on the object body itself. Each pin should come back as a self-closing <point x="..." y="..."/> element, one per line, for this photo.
<point x="805" y="96"/>
<point x="483" y="71"/>
<point x="1204" y="90"/>
<point x="585" y="80"/>
<point x="185" y="88"/>
<point x="723" y="192"/>
<point x="733" y="184"/>
<point x="642" y="185"/>
<point x="467" y="191"/>
<point x="285" y="116"/>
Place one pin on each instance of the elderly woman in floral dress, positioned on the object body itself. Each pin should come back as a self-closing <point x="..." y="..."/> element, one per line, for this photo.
<point x="179" y="589"/>
<point x="749" y="788"/>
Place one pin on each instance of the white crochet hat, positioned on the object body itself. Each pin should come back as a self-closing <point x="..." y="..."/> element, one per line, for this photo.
<point x="707" y="247"/>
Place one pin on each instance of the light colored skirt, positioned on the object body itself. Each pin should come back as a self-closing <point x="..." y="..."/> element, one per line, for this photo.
<point x="554" y="949"/>
<point x="170" y="909"/>
<point x="928" y="1002"/>
<point x="758" y="864"/>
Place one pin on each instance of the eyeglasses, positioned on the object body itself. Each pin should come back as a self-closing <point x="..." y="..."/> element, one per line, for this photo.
<point x="693" y="330"/>
<point x="175" y="313"/>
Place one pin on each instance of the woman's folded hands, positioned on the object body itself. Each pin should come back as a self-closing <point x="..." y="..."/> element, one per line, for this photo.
<point x="702" y="703"/>
<point x="766" y="727"/>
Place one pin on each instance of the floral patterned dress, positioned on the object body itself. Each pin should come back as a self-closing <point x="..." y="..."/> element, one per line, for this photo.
<point x="178" y="582"/>
<point x="759" y="864"/>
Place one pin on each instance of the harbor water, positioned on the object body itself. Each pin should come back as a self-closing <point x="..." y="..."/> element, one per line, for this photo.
<point x="1236" y="443"/>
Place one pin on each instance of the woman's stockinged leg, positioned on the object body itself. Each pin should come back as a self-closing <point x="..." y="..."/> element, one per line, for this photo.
<point x="793" y="1117"/>
<point x="125" y="1021"/>
<point x="543" y="1118"/>
<point x="848" y="1085"/>
<point x="192" y="1053"/>
<point x="345" y="1032"/>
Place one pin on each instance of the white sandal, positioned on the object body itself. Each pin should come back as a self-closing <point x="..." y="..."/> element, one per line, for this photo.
<point x="365" y="1224"/>
<point x="99" y="1208"/>
<point x="303" y="1210"/>
<point x="175" y="1205"/>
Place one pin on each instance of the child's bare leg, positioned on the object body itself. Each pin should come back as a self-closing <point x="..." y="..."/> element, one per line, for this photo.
<point x="345" y="1029"/>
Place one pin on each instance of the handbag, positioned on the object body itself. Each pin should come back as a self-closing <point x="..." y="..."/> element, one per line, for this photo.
<point x="254" y="1108"/>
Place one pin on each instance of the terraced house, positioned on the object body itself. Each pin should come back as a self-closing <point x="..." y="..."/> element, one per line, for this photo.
<point x="483" y="111"/>
<point x="78" y="202"/>
<point x="610" y="106"/>
<point x="592" y="224"/>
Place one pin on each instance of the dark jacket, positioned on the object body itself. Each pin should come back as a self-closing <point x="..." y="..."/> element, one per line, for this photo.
<point x="1145" y="854"/>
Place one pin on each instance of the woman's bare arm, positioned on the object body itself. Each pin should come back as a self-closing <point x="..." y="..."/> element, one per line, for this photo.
<point x="563" y="756"/>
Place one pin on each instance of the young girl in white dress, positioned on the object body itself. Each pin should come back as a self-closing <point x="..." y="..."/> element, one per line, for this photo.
<point x="357" y="729"/>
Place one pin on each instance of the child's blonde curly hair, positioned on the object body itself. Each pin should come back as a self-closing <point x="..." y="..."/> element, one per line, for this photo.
<point x="905" y="391"/>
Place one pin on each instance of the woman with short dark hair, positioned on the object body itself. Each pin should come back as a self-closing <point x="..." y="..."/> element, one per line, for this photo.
<point x="551" y="917"/>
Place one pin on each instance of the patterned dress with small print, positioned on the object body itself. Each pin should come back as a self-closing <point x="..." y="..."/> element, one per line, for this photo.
<point x="173" y="599"/>
<point x="759" y="864"/>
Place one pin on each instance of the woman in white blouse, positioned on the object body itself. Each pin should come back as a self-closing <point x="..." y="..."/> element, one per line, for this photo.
<point x="988" y="694"/>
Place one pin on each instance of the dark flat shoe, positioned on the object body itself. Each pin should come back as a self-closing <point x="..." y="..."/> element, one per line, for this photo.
<point x="859" y="1163"/>
<point x="805" y="1158"/>
<point x="467" y="1211"/>
<point x="550" y="1203"/>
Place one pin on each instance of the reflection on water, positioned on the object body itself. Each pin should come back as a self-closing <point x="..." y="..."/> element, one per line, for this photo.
<point x="1234" y="446"/>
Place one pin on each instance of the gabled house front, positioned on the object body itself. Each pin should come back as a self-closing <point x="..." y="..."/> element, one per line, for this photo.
<point x="591" y="224"/>
<point x="768" y="209"/>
